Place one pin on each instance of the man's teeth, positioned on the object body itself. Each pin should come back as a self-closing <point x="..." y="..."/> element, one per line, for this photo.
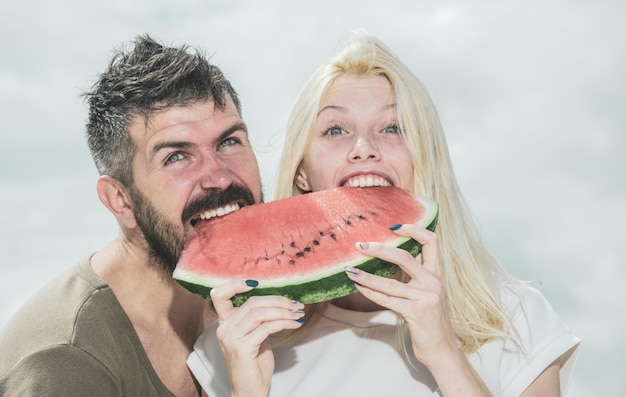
<point x="219" y="211"/>
<point x="367" y="180"/>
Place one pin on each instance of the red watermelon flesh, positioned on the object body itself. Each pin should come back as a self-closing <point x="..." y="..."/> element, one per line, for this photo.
<point x="299" y="247"/>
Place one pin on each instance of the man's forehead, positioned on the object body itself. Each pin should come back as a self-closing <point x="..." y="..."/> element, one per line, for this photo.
<point x="186" y="113"/>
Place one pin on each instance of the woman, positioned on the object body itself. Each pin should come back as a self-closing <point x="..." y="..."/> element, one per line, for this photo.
<point x="452" y="322"/>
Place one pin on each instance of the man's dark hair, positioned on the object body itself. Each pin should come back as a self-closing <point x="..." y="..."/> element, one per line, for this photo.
<point x="147" y="78"/>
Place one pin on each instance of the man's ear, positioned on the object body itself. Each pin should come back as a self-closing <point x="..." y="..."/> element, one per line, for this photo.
<point x="302" y="181"/>
<point x="114" y="195"/>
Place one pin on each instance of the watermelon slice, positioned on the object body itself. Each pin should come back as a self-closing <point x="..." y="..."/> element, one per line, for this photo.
<point x="299" y="247"/>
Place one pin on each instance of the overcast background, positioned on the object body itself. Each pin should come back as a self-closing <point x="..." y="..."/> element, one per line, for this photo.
<point x="531" y="95"/>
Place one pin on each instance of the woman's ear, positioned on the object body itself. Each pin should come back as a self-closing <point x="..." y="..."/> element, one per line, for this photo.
<point x="114" y="195"/>
<point x="302" y="181"/>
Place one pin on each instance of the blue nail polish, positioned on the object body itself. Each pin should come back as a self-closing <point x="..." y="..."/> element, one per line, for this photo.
<point x="300" y="320"/>
<point x="252" y="283"/>
<point x="395" y="226"/>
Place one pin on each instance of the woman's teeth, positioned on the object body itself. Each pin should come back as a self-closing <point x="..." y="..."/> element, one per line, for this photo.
<point x="367" y="180"/>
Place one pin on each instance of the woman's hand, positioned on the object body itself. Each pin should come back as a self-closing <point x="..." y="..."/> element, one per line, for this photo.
<point x="421" y="301"/>
<point x="243" y="334"/>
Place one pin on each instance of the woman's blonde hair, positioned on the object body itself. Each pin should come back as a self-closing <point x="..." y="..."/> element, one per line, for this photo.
<point x="469" y="272"/>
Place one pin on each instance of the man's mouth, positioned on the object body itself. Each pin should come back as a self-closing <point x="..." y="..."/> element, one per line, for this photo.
<point x="367" y="181"/>
<point x="227" y="209"/>
<point x="215" y="212"/>
<point x="216" y="203"/>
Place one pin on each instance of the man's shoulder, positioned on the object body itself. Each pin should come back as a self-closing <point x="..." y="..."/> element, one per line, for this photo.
<point x="60" y="314"/>
<point x="57" y="370"/>
<point x="73" y="371"/>
<point x="53" y="310"/>
<point x="74" y="329"/>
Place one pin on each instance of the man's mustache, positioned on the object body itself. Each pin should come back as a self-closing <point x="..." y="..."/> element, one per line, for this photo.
<point x="215" y="198"/>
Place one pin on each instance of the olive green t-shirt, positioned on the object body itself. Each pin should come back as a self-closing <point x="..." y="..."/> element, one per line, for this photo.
<point x="74" y="339"/>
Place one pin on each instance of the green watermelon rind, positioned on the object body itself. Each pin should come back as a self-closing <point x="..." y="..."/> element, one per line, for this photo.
<point x="281" y="281"/>
<point x="323" y="289"/>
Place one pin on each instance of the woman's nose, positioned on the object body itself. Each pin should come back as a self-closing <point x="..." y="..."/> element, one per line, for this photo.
<point x="364" y="148"/>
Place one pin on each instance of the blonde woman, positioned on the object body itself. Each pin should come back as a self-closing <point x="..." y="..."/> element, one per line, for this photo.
<point x="452" y="322"/>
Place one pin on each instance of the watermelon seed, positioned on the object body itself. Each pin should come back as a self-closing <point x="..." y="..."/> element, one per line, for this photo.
<point x="315" y="242"/>
<point x="299" y="254"/>
<point x="293" y="244"/>
<point x="308" y="249"/>
<point x="332" y="235"/>
<point x="292" y="262"/>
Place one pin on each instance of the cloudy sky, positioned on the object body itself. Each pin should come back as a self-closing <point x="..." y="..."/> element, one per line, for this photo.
<point x="531" y="94"/>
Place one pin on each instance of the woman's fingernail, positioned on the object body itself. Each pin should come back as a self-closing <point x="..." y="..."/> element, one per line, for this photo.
<point x="395" y="226"/>
<point x="298" y="312"/>
<point x="252" y="283"/>
<point x="352" y="270"/>
<point x="361" y="245"/>
<point x="300" y="320"/>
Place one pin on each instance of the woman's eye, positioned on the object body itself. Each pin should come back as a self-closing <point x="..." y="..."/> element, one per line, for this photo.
<point x="174" y="157"/>
<point x="392" y="129"/>
<point x="333" y="131"/>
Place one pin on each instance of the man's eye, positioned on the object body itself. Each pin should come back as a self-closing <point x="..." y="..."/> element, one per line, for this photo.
<point x="333" y="131"/>
<point x="174" y="158"/>
<point x="228" y="142"/>
<point x="392" y="129"/>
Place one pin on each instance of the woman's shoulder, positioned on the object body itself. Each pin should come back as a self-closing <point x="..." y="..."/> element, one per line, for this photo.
<point x="516" y="296"/>
<point x="530" y="312"/>
<point x="520" y="295"/>
<point x="539" y="337"/>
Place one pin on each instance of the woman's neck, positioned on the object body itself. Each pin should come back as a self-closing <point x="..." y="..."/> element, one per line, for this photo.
<point x="356" y="302"/>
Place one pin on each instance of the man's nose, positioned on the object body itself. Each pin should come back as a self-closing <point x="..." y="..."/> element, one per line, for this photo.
<point x="215" y="174"/>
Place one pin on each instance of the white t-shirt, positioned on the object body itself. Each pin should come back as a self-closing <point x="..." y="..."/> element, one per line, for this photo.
<point x="352" y="353"/>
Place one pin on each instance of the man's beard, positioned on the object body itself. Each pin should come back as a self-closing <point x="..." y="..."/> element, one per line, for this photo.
<point x="166" y="239"/>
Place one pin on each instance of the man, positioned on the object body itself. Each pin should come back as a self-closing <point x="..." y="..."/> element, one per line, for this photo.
<point x="167" y="137"/>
